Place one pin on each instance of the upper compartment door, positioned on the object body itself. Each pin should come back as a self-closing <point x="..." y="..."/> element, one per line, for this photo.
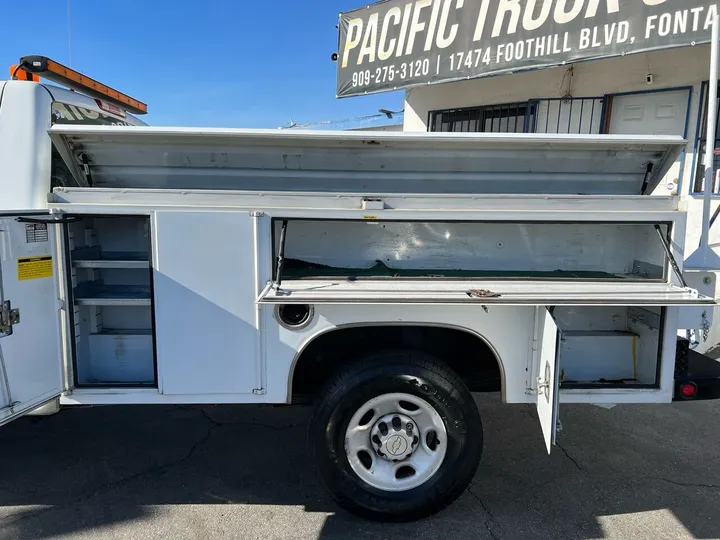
<point x="546" y="353"/>
<point x="154" y="157"/>
<point x="525" y="293"/>
<point x="30" y="358"/>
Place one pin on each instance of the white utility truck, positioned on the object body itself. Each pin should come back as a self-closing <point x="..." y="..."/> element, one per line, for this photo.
<point x="382" y="276"/>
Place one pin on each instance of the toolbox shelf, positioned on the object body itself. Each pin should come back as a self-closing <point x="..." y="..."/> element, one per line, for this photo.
<point x="95" y="258"/>
<point x="123" y="332"/>
<point x="99" y="294"/>
<point x="112" y="292"/>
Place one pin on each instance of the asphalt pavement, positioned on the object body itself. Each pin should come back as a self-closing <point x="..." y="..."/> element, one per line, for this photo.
<point x="233" y="472"/>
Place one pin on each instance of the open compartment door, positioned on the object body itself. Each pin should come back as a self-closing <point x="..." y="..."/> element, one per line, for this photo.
<point x="524" y="293"/>
<point x="547" y="351"/>
<point x="30" y="358"/>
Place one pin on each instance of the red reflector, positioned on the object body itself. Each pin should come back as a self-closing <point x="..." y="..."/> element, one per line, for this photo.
<point x="688" y="390"/>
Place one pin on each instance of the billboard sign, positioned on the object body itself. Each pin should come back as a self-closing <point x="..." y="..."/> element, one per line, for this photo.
<point x="397" y="44"/>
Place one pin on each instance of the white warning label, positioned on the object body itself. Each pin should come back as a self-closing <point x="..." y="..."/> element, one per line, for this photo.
<point x="36" y="232"/>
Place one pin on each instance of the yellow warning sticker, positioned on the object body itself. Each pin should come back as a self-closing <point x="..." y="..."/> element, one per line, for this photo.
<point x="35" y="268"/>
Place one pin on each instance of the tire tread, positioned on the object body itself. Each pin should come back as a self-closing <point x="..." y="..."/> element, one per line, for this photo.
<point x="391" y="362"/>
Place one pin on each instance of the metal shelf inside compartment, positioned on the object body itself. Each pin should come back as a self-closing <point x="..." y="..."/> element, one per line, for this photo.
<point x="123" y="332"/>
<point x="96" y="258"/>
<point x="99" y="294"/>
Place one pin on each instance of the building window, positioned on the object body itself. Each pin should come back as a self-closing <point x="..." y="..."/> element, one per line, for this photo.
<point x="506" y="118"/>
<point x="700" y="144"/>
<point x="552" y="115"/>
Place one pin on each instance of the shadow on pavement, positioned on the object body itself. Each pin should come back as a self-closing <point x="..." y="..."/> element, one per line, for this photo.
<point x="242" y="472"/>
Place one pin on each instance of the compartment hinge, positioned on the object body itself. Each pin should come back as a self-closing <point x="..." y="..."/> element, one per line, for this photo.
<point x="259" y="391"/>
<point x="372" y="203"/>
<point x="8" y="318"/>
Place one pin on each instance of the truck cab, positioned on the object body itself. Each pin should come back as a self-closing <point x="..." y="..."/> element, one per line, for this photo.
<point x="30" y="166"/>
<point x="31" y="102"/>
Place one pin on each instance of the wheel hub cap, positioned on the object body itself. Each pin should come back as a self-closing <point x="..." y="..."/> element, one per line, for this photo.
<point x="396" y="441"/>
<point x="394" y="437"/>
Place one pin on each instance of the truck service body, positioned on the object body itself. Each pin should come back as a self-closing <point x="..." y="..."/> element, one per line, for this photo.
<point x="382" y="276"/>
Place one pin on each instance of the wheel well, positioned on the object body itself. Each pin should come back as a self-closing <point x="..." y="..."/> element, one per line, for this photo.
<point x="466" y="353"/>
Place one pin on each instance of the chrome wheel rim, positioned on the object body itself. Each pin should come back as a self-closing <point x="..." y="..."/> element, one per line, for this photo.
<point x="396" y="442"/>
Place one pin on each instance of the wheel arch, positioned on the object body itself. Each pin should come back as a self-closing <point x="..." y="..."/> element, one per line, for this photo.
<point x="301" y="355"/>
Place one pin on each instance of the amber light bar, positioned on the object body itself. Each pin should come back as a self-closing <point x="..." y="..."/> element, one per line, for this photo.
<point x="52" y="71"/>
<point x="19" y="74"/>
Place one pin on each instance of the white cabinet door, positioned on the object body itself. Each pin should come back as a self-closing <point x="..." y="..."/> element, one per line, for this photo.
<point x="30" y="358"/>
<point x="204" y="291"/>
<point x="518" y="293"/>
<point x="546" y="351"/>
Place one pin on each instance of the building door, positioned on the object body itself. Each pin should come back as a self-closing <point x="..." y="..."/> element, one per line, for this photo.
<point x="652" y="113"/>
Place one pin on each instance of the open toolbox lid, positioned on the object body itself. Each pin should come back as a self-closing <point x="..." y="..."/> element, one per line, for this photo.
<point x="525" y="293"/>
<point x="364" y="162"/>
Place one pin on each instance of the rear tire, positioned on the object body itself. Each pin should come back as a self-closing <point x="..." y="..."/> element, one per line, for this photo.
<point x="396" y="436"/>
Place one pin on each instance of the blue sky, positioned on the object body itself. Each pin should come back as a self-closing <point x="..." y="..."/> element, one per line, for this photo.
<point x="241" y="63"/>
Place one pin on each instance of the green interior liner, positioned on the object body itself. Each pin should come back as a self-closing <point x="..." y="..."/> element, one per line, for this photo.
<point x="298" y="269"/>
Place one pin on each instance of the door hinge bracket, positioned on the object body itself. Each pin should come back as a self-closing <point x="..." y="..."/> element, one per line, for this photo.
<point x="482" y="293"/>
<point x="8" y="318"/>
<point x="259" y="391"/>
<point x="372" y="203"/>
<point x="10" y="407"/>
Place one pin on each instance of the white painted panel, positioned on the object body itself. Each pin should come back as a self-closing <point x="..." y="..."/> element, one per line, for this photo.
<point x="697" y="318"/>
<point x="25" y="169"/>
<point x="508" y="330"/>
<point x="546" y="348"/>
<point x="119" y="358"/>
<point x="647" y="349"/>
<point x="631" y="113"/>
<point x="204" y="279"/>
<point x="355" y="162"/>
<point x="657" y="113"/>
<point x="598" y="319"/>
<point x="32" y="353"/>
<point x="592" y="356"/>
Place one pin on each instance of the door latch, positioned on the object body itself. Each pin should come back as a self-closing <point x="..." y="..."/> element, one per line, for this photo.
<point x="543" y="383"/>
<point x="8" y="318"/>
